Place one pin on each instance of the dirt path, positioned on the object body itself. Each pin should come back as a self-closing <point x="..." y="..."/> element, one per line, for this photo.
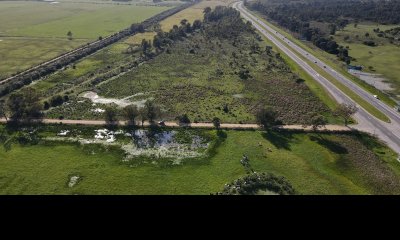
<point x="327" y="128"/>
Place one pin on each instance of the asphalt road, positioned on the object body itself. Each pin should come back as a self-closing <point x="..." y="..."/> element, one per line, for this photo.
<point x="387" y="132"/>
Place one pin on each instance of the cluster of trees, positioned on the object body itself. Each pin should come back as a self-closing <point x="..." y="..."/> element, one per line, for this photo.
<point x="297" y="15"/>
<point x="224" y="23"/>
<point x="55" y="101"/>
<point x="252" y="183"/>
<point x="150" y="112"/>
<point x="163" y="39"/>
<point x="22" y="107"/>
<point x="25" y="78"/>
<point x="392" y="34"/>
<point x="334" y="11"/>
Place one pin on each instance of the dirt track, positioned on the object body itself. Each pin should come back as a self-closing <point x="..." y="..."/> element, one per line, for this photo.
<point x="327" y="128"/>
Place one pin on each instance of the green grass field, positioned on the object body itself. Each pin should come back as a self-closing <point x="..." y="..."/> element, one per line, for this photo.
<point x="325" y="164"/>
<point x="384" y="58"/>
<point x="42" y="31"/>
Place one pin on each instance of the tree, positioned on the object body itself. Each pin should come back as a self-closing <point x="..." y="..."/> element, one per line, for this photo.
<point x="183" y="119"/>
<point x="196" y="24"/>
<point x="207" y="10"/>
<point x="146" y="45"/>
<point x="69" y="34"/>
<point x="183" y="22"/>
<point x="46" y="105"/>
<point x="266" y="117"/>
<point x="130" y="113"/>
<point x="3" y="110"/>
<point x="345" y="110"/>
<point x="25" y="106"/>
<point x="152" y="111"/>
<point x="318" y="121"/>
<point x="143" y="115"/>
<point x="216" y="122"/>
<point x="110" y="116"/>
<point x="56" y="101"/>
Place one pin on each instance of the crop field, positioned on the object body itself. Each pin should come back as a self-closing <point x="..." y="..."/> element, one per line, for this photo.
<point x="313" y="164"/>
<point x="384" y="57"/>
<point x="43" y="30"/>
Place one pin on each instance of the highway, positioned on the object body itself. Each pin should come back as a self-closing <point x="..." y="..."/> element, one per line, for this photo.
<point x="387" y="132"/>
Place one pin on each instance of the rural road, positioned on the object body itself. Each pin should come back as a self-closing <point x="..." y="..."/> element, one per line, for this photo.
<point x="327" y="128"/>
<point x="387" y="132"/>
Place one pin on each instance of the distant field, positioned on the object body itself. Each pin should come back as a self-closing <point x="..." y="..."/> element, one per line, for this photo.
<point x="42" y="28"/>
<point x="191" y="14"/>
<point x="325" y="164"/>
<point x="384" y="58"/>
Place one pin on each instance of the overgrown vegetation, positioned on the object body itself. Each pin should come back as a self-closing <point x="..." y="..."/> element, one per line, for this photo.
<point x="258" y="183"/>
<point x="209" y="70"/>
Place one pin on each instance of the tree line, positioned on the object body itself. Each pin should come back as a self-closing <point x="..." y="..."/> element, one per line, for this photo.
<point x="35" y="73"/>
<point x="296" y="15"/>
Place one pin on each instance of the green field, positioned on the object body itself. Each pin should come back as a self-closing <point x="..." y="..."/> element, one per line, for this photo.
<point x="313" y="164"/>
<point x="42" y="31"/>
<point x="384" y="58"/>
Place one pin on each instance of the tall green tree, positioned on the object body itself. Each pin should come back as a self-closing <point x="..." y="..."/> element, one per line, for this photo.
<point x="110" y="116"/>
<point x="216" y="122"/>
<point x="317" y="122"/>
<point x="152" y="111"/>
<point x="346" y="111"/>
<point x="69" y="35"/>
<point x="3" y="110"/>
<point x="267" y="117"/>
<point x="130" y="113"/>
<point x="25" y="106"/>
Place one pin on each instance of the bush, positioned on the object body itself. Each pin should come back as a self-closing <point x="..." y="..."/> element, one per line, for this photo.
<point x="56" y="101"/>
<point x="369" y="43"/>
<point x="253" y="183"/>
<point x="183" y="119"/>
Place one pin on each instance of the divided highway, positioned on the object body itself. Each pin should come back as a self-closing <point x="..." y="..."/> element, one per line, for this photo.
<point x="387" y="132"/>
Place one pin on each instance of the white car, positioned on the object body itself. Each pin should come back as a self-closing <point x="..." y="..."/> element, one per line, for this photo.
<point x="376" y="96"/>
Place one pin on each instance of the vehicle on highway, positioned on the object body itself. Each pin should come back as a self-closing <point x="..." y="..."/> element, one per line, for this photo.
<point x="161" y="123"/>
<point x="376" y="96"/>
<point x="324" y="66"/>
<point x="315" y="62"/>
